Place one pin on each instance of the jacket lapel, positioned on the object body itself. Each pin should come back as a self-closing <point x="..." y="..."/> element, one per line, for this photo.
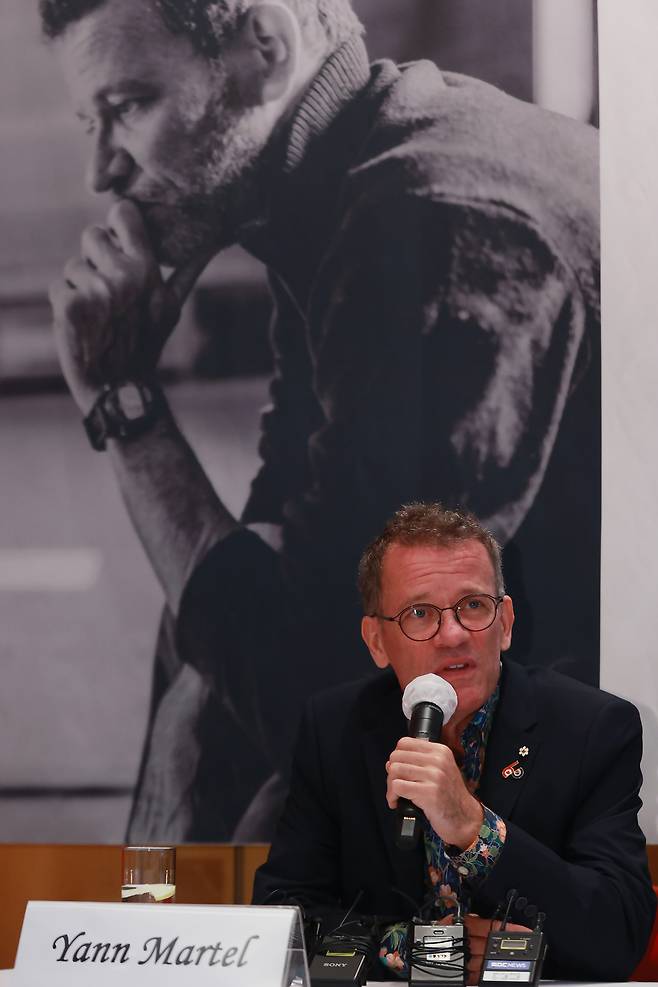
<point x="512" y="734"/>
<point x="381" y="733"/>
<point x="513" y="743"/>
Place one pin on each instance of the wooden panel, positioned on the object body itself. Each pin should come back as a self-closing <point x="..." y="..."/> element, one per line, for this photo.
<point x="652" y="852"/>
<point x="51" y="873"/>
<point x="204" y="874"/>
<point x="247" y="860"/>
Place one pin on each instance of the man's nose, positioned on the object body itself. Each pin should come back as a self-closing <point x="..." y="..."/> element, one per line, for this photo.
<point x="108" y="167"/>
<point x="450" y="631"/>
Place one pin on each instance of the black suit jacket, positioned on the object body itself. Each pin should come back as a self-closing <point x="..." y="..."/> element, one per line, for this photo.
<point x="573" y="848"/>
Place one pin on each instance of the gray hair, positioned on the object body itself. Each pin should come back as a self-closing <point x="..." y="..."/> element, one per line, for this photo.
<point x="423" y="524"/>
<point x="208" y="23"/>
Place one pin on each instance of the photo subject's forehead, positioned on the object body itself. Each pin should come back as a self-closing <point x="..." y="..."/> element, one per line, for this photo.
<point x="465" y="565"/>
<point x="118" y="42"/>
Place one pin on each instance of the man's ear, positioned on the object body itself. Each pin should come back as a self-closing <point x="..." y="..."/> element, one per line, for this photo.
<point x="507" y="621"/>
<point x="269" y="41"/>
<point x="371" y="634"/>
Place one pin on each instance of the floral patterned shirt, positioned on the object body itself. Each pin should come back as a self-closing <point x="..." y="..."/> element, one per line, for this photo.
<point x="451" y="873"/>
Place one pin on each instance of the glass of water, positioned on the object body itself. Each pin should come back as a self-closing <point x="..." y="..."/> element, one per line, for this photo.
<point x="149" y="874"/>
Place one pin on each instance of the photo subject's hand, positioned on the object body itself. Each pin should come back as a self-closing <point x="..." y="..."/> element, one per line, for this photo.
<point x="427" y="775"/>
<point x="477" y="930"/>
<point x="112" y="310"/>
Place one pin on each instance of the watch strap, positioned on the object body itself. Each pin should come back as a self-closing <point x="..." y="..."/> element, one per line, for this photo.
<point x="108" y="419"/>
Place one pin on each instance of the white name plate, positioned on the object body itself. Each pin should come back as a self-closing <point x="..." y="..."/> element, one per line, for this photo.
<point x="67" y="943"/>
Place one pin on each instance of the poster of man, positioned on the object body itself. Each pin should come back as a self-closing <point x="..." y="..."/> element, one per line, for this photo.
<point x="423" y="246"/>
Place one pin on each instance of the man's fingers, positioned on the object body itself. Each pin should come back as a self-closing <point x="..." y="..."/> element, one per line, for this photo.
<point x="412" y="790"/>
<point x="408" y="747"/>
<point x="104" y="254"/>
<point x="126" y="276"/>
<point x="126" y="224"/>
<point x="81" y="278"/>
<point x="415" y="757"/>
<point x="76" y="273"/>
<point x="166" y="304"/>
<point x="478" y="926"/>
<point x="127" y="234"/>
<point x="182" y="280"/>
<point x="478" y="929"/>
<point x="413" y="781"/>
<point x="427" y="774"/>
<point x="414" y="743"/>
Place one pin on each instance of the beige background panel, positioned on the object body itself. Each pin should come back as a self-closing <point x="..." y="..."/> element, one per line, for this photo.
<point x="629" y="547"/>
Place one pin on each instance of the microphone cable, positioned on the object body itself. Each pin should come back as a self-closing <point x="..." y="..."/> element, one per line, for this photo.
<point x="442" y="959"/>
<point x="353" y="951"/>
<point x="436" y="950"/>
<point x="337" y="941"/>
<point x="421" y="912"/>
<point x="312" y="923"/>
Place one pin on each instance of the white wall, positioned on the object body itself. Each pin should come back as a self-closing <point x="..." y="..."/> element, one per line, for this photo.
<point x="629" y="127"/>
<point x="563" y="56"/>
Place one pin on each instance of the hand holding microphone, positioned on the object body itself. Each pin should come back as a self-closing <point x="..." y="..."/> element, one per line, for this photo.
<point x="423" y="776"/>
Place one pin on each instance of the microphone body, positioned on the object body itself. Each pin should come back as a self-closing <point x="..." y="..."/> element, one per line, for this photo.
<point x="428" y="702"/>
<point x="426" y="722"/>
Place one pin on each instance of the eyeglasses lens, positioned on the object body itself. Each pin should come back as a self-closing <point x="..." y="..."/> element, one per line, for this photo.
<point x="421" y="621"/>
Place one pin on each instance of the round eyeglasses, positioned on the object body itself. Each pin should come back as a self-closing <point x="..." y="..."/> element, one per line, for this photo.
<point x="422" y="621"/>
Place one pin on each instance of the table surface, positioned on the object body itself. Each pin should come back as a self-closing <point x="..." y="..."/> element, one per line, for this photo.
<point x="6" y="979"/>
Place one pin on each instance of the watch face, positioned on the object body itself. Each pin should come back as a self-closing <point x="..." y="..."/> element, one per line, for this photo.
<point x="130" y="401"/>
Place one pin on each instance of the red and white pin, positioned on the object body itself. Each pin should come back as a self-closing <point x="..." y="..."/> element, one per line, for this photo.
<point x="513" y="770"/>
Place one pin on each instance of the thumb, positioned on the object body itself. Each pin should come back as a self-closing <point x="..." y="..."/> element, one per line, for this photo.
<point x="181" y="281"/>
<point x="167" y="302"/>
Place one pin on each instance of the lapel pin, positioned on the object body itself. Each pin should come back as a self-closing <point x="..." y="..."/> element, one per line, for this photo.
<point x="524" y="751"/>
<point x="513" y="770"/>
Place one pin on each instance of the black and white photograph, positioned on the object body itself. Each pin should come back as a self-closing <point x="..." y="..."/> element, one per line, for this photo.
<point x="270" y="270"/>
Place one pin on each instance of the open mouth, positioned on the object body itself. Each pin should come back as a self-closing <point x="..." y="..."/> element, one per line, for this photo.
<point x="457" y="666"/>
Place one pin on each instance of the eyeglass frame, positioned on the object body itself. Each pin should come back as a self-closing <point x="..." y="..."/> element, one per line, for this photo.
<point x="497" y="600"/>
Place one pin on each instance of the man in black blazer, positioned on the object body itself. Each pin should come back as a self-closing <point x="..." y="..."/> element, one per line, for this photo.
<point x="558" y="767"/>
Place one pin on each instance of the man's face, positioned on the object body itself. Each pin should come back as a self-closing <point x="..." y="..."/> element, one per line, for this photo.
<point x="469" y="660"/>
<point x="164" y="127"/>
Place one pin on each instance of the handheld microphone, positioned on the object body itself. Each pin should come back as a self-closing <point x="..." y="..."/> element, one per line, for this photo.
<point x="427" y="702"/>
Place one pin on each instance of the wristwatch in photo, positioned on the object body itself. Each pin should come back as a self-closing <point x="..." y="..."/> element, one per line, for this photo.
<point x="122" y="411"/>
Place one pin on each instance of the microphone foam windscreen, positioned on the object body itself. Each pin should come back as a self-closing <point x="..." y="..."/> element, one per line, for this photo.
<point x="429" y="688"/>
